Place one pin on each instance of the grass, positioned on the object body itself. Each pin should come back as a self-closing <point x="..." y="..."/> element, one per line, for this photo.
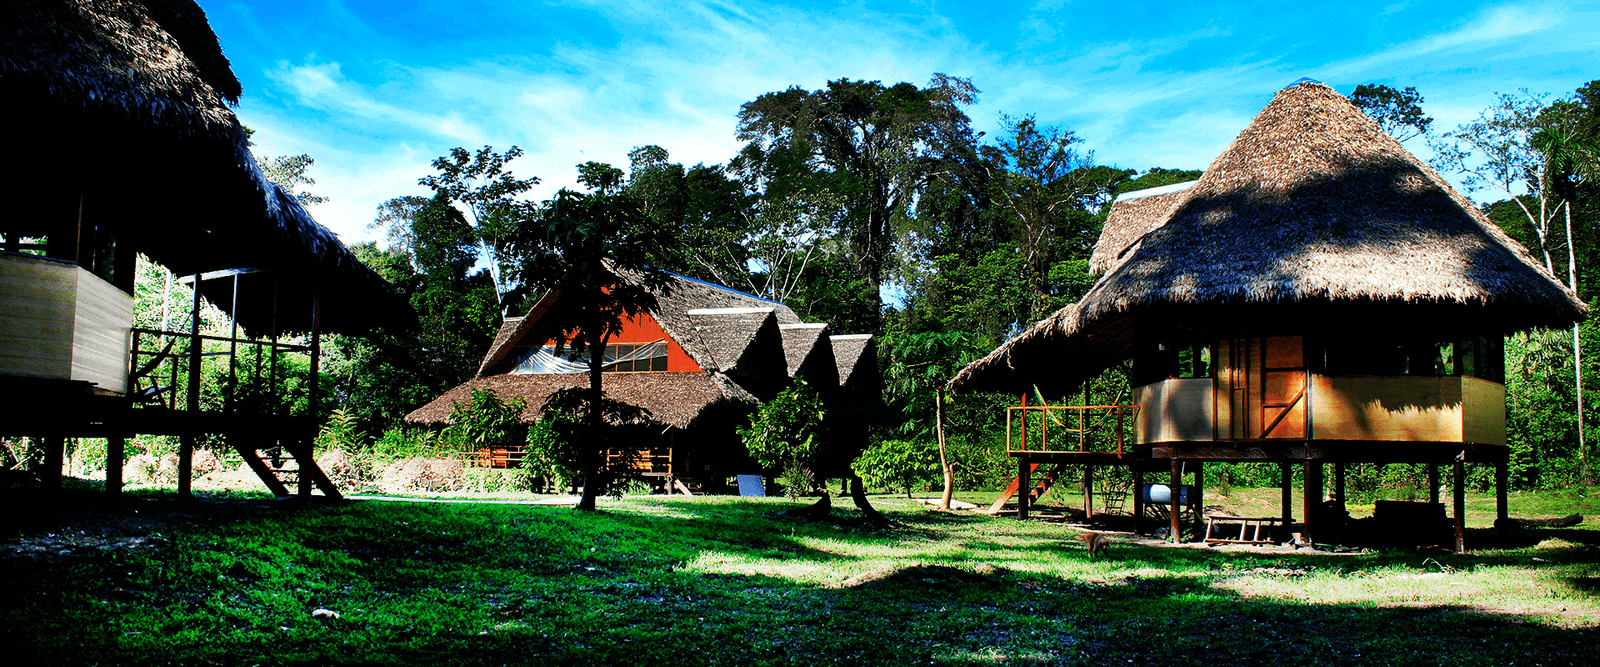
<point x="721" y="580"/>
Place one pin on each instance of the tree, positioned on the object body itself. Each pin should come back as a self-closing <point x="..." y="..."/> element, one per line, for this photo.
<point x="1040" y="181"/>
<point x="480" y="181"/>
<point x="789" y="433"/>
<point x="1398" y="112"/>
<point x="920" y="365"/>
<point x="1535" y="154"/>
<point x="599" y="251"/>
<point x="875" y="146"/>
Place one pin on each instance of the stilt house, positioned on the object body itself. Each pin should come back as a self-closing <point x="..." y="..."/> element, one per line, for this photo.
<point x="121" y="141"/>
<point x="1319" y="296"/>
<point x="700" y="365"/>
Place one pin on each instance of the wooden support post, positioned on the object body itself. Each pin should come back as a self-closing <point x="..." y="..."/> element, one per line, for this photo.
<point x="1433" y="482"/>
<point x="1338" y="484"/>
<point x="115" y="446"/>
<point x="1287" y="472"/>
<point x="55" y="448"/>
<point x="1313" y="498"/>
<point x="1200" y="497"/>
<point x="1502" y="511"/>
<point x="1174" y="487"/>
<point x="1460" y="510"/>
<point x="186" y="443"/>
<point x="1088" y="492"/>
<point x="1024" y="487"/>
<point x="312" y="394"/>
<point x="1138" y="502"/>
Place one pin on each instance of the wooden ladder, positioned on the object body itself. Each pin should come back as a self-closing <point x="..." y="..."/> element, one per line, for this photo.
<point x="278" y="478"/>
<point x="1041" y="486"/>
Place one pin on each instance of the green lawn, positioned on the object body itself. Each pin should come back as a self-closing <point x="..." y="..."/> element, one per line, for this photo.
<point x="727" y="581"/>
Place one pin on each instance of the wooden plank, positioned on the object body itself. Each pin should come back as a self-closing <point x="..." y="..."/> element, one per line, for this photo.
<point x="1395" y="408"/>
<point x="1484" y="407"/>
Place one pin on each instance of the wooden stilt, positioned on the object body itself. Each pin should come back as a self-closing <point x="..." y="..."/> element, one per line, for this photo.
<point x="1288" y="493"/>
<point x="115" y="446"/>
<point x="55" y="448"/>
<point x="1024" y="487"/>
<point x="1502" y="511"/>
<point x="1338" y="484"/>
<point x="306" y="461"/>
<point x="1138" y="502"/>
<point x="186" y="442"/>
<point x="1088" y="492"/>
<point x="1174" y="487"/>
<point x="1312" y="499"/>
<point x="1460" y="510"/>
<point x="1200" y="497"/>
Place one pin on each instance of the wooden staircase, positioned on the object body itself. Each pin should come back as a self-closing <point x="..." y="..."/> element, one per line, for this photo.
<point x="1041" y="485"/>
<point x="275" y="473"/>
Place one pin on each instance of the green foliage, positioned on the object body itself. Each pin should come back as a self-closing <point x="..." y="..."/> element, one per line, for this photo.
<point x="487" y="421"/>
<point x="788" y="432"/>
<point x="1398" y="112"/>
<point x="343" y="431"/>
<point x="900" y="463"/>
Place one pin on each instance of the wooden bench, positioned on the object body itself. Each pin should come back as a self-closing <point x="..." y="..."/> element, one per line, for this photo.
<point x="1250" y="528"/>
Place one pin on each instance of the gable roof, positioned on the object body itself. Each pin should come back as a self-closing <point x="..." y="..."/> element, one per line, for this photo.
<point x="1133" y="215"/>
<point x="1312" y="206"/>
<point x="808" y="353"/>
<point x="849" y="352"/>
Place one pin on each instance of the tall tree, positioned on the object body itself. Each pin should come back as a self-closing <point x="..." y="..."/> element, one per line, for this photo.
<point x="600" y="250"/>
<point x="1533" y="153"/>
<point x="1398" y="112"/>
<point x="480" y="181"/>
<point x="876" y="146"/>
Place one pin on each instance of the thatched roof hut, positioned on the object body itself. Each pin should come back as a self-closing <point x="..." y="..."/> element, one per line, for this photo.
<point x="120" y="117"/>
<point x="1312" y="219"/>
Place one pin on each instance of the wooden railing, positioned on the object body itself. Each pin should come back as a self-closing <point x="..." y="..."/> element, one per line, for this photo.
<point x="161" y="372"/>
<point x="1062" y="429"/>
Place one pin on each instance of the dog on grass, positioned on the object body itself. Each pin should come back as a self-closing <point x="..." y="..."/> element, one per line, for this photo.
<point x="1096" y="543"/>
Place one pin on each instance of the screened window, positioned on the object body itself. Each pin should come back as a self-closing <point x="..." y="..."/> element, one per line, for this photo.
<point x="619" y="358"/>
<point x="1480" y="357"/>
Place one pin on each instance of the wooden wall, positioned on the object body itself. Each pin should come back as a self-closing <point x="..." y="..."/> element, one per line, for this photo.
<point x="59" y="321"/>
<point x="1485" y="404"/>
<point x="1415" y="408"/>
<point x="101" y="333"/>
<point x="1174" y="410"/>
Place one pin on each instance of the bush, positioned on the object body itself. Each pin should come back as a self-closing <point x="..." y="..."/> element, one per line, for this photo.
<point x="788" y="433"/>
<point x="905" y="463"/>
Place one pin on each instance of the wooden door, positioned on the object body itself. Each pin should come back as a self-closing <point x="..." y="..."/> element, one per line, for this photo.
<point x="1260" y="388"/>
<point x="1283" y="388"/>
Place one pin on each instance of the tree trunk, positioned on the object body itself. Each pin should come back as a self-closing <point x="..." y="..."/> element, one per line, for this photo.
<point x="594" y="451"/>
<point x="944" y="459"/>
<point x="1577" y="352"/>
<point x="858" y="493"/>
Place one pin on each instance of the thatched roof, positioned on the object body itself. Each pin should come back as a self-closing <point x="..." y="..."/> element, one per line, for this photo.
<point x="1133" y="215"/>
<point x="1312" y="215"/>
<point x="126" y="105"/>
<point x="856" y="355"/>
<point x="808" y="351"/>
<point x="673" y="399"/>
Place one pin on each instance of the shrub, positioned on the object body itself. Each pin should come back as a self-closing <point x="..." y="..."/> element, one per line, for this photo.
<point x="788" y="432"/>
<point x="904" y="463"/>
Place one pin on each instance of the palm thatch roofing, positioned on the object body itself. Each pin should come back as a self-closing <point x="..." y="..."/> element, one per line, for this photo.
<point x="1313" y="217"/>
<point x="126" y="105"/>
<point x="673" y="399"/>
<point x="747" y="349"/>
<point x="808" y="352"/>
<point x="1133" y="215"/>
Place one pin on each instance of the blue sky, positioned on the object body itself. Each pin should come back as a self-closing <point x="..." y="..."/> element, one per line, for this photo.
<point x="375" y="90"/>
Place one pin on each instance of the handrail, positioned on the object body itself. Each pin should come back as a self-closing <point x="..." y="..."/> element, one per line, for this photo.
<point x="1040" y="440"/>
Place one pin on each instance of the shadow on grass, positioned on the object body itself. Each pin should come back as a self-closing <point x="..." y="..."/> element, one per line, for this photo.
<point x="421" y="584"/>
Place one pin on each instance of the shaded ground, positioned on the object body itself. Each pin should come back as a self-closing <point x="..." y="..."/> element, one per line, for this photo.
<point x="235" y="580"/>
